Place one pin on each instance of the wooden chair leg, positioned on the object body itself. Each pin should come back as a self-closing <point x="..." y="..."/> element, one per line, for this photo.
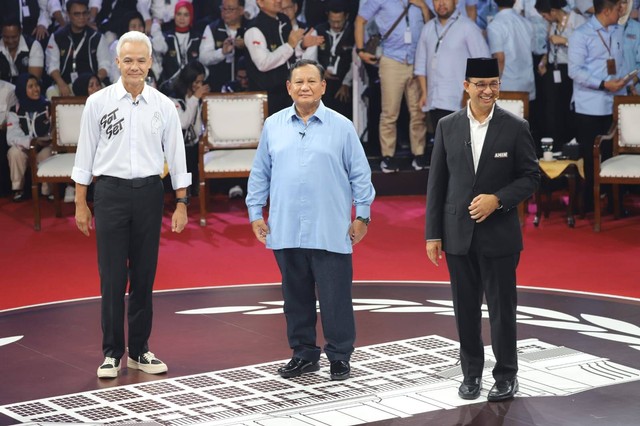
<point x="596" y="206"/>
<point x="202" y="194"/>
<point x="615" y="188"/>
<point x="35" y="194"/>
<point x="57" y="202"/>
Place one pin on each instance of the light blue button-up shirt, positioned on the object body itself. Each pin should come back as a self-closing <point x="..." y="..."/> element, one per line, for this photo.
<point x="631" y="46"/>
<point x="588" y="66"/>
<point x="385" y="13"/>
<point x="512" y="34"/>
<point x="459" y="39"/>
<point x="312" y="176"/>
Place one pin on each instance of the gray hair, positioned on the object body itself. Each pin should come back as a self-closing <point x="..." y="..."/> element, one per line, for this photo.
<point x="133" y="36"/>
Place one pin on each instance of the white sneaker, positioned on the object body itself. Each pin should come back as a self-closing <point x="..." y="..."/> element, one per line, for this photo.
<point x="69" y="194"/>
<point x="236" y="192"/>
<point x="45" y="190"/>
<point x="148" y="363"/>
<point x="109" y="368"/>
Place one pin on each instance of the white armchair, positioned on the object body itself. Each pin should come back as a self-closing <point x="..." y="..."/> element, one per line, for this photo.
<point x="65" y="130"/>
<point x="233" y="125"/>
<point x="623" y="168"/>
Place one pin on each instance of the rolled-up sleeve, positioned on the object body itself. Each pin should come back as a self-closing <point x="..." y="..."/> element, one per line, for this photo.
<point x="173" y="143"/>
<point x="82" y="171"/>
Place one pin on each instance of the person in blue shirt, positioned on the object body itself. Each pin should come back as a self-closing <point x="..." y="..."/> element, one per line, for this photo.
<point x="311" y="166"/>
<point x="596" y="66"/>
<point x="396" y="73"/>
<point x="444" y="46"/>
<point x="630" y="44"/>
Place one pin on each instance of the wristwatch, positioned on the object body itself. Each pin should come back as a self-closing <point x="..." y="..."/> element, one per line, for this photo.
<point x="364" y="220"/>
<point x="183" y="200"/>
<point x="359" y="49"/>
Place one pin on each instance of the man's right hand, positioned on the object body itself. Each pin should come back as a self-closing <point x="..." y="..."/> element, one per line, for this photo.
<point x="368" y="58"/>
<point x="260" y="230"/>
<point x="65" y="90"/>
<point x="83" y="218"/>
<point x="434" y="251"/>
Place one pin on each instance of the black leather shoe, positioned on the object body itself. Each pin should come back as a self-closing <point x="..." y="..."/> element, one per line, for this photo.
<point x="298" y="366"/>
<point x="503" y="390"/>
<point x="470" y="388"/>
<point x="340" y="370"/>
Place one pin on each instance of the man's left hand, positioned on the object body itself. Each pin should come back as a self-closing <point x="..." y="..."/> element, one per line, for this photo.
<point x="357" y="231"/>
<point x="482" y="206"/>
<point x="179" y="218"/>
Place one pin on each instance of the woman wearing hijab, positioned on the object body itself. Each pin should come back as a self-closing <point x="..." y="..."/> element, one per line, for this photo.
<point x="178" y="46"/>
<point x="188" y="89"/>
<point x="27" y="122"/>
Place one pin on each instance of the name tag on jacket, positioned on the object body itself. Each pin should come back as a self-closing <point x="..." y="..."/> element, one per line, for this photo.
<point x="501" y="155"/>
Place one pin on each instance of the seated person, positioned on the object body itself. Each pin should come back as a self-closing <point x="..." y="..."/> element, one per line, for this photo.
<point x="27" y="121"/>
<point x="187" y="93"/>
<point x="241" y="81"/>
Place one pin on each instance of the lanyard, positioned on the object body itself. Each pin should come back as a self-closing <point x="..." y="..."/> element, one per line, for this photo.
<point x="335" y="39"/>
<point x="75" y="50"/>
<point x="605" y="44"/>
<point x="444" y="33"/>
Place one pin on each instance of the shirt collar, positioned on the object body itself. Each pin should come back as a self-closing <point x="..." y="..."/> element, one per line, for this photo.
<point x="121" y="92"/>
<point x="473" y="120"/>
<point x="319" y="115"/>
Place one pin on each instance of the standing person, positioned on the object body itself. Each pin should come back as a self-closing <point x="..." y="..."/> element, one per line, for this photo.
<point x="596" y="65"/>
<point x="396" y="73"/>
<point x="335" y="56"/>
<point x="558" y="87"/>
<point x="441" y="55"/>
<point x="311" y="166"/>
<point x="127" y="131"/>
<point x="273" y="47"/>
<point x="484" y="164"/>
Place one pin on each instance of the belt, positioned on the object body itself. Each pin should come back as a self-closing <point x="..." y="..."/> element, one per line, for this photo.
<point x="130" y="183"/>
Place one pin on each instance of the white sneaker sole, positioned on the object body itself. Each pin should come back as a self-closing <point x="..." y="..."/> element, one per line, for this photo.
<point x="147" y="368"/>
<point x="108" y="373"/>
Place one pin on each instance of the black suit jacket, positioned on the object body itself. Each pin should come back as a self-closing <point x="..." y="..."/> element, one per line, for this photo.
<point x="508" y="168"/>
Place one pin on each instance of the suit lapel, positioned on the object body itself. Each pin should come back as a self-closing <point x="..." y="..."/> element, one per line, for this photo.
<point x="465" y="139"/>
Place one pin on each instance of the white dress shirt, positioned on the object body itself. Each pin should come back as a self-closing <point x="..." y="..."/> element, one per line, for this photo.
<point x="478" y="134"/>
<point x="128" y="138"/>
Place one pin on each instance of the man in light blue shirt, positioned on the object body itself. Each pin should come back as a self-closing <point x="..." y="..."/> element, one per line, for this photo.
<point x="441" y="57"/>
<point x="596" y="66"/>
<point x="311" y="166"/>
<point x="396" y="72"/>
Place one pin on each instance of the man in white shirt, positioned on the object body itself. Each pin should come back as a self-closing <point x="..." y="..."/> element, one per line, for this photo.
<point x="127" y="131"/>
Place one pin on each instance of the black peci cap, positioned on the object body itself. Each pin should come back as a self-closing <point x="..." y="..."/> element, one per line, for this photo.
<point x="482" y="68"/>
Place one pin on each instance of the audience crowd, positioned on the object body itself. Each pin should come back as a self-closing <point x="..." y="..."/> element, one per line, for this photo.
<point x="570" y="56"/>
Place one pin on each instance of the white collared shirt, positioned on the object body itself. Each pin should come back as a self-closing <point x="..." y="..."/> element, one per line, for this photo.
<point x="130" y="140"/>
<point x="478" y="134"/>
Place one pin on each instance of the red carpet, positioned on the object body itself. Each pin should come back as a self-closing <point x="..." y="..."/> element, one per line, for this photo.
<point x="59" y="263"/>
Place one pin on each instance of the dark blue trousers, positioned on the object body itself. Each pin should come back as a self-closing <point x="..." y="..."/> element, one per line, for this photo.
<point x="128" y="219"/>
<point x="303" y="271"/>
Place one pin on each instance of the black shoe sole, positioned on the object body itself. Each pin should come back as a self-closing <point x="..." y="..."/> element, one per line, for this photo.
<point x="341" y="377"/>
<point x="312" y="368"/>
<point x="469" y="396"/>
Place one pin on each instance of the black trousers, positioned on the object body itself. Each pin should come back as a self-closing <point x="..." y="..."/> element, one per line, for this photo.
<point x="587" y="128"/>
<point x="128" y="219"/>
<point x="304" y="270"/>
<point x="472" y="276"/>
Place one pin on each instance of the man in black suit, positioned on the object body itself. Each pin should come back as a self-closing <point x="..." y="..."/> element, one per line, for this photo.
<point x="483" y="165"/>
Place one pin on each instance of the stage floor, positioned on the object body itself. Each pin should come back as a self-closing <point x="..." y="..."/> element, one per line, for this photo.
<point x="578" y="356"/>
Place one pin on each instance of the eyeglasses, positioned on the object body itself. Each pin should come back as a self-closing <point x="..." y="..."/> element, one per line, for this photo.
<point x="482" y="86"/>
